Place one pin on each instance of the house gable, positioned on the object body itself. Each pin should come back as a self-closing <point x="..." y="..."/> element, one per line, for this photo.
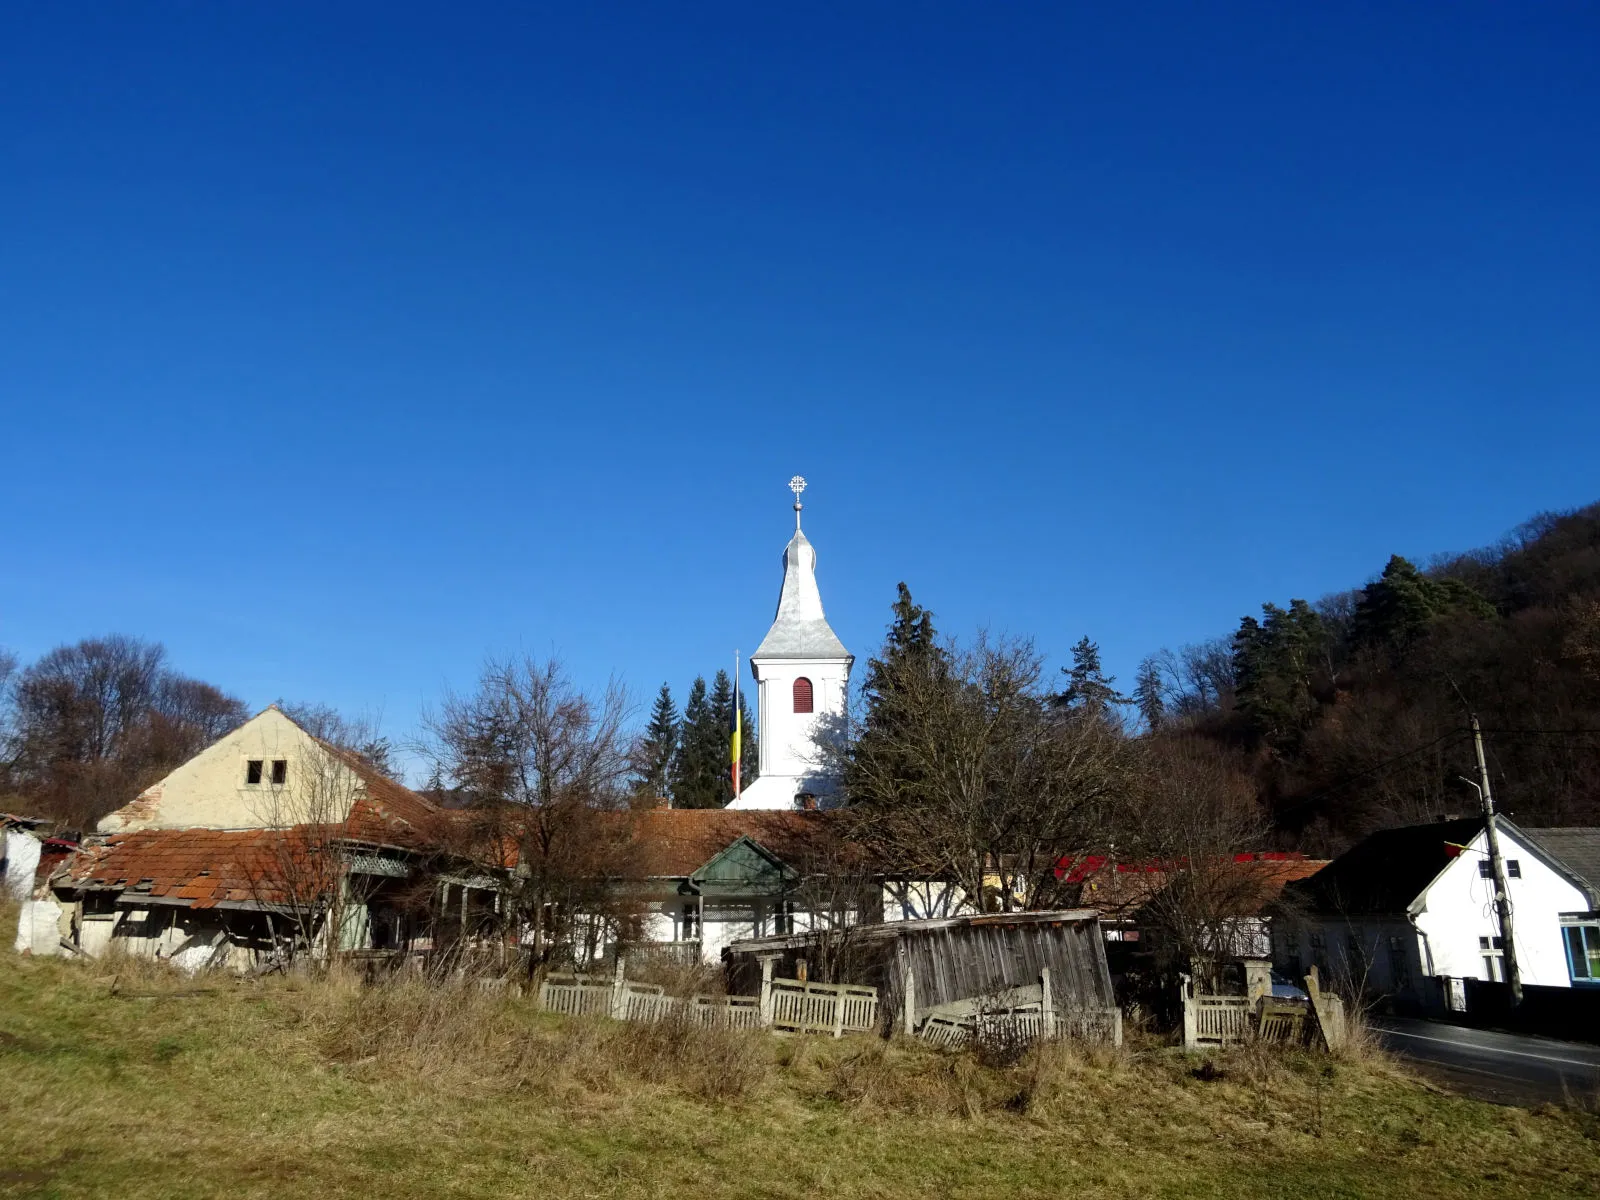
<point x="212" y="789"/>
<point x="744" y="868"/>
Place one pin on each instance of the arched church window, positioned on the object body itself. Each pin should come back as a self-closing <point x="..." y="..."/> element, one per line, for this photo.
<point x="802" y="695"/>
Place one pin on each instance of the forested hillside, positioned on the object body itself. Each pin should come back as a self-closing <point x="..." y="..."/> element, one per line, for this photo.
<point x="1352" y="711"/>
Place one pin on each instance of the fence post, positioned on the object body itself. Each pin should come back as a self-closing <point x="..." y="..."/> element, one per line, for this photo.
<point x="619" y="993"/>
<point x="1190" y="1031"/>
<point x="1047" y="1005"/>
<point x="910" y="1000"/>
<point x="766" y="989"/>
<point x="838" y="1011"/>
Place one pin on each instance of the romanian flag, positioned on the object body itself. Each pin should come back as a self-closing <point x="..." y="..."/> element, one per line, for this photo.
<point x="735" y="729"/>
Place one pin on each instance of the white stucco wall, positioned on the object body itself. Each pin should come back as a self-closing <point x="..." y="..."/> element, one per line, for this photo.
<point x="1397" y="956"/>
<point x="209" y="791"/>
<point x="21" y="851"/>
<point x="1458" y="909"/>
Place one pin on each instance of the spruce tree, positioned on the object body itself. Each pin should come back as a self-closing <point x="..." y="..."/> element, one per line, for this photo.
<point x="1149" y="695"/>
<point x="750" y="758"/>
<point x="700" y="778"/>
<point x="653" y="768"/>
<point x="1089" y="690"/>
<point x="911" y="646"/>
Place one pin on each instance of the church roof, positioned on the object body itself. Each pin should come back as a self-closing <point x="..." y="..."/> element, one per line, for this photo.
<point x="800" y="630"/>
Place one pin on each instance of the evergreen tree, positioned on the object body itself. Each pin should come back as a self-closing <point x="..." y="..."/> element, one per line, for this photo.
<point x="653" y="767"/>
<point x="750" y="756"/>
<point x="700" y="751"/>
<point x="910" y="647"/>
<point x="722" y="727"/>
<point x="1089" y="690"/>
<point x="1149" y="695"/>
<point x="1397" y="608"/>
<point x="1275" y="660"/>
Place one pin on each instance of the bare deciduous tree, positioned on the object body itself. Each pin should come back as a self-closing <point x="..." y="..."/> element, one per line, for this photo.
<point x="543" y="769"/>
<point x="976" y="780"/>
<point x="1193" y="810"/>
<point x="99" y="720"/>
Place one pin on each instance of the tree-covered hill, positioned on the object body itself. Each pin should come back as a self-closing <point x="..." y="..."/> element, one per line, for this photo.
<point x="1352" y="710"/>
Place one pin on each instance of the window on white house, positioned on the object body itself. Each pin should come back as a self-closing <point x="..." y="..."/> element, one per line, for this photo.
<point x="1513" y="868"/>
<point x="280" y="771"/>
<point x="252" y="771"/>
<point x="691" y="922"/>
<point x="1583" y="952"/>
<point x="802" y="695"/>
<point x="1494" y="958"/>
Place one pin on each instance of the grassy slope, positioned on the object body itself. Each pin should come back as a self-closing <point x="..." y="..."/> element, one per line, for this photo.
<point x="277" y="1089"/>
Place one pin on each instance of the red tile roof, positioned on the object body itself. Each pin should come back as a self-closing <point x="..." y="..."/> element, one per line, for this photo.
<point x="389" y="813"/>
<point x="204" y="867"/>
<point x="676" y="842"/>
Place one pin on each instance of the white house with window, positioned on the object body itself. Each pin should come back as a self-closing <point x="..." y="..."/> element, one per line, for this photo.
<point x="1407" y="911"/>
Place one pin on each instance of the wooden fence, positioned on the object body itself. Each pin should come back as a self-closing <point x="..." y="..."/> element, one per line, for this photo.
<point x="1225" y="1020"/>
<point x="789" y="1005"/>
<point x="833" y="1008"/>
<point x="1026" y="1024"/>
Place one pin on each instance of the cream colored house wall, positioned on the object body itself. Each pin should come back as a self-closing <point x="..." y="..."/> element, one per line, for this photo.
<point x="209" y="791"/>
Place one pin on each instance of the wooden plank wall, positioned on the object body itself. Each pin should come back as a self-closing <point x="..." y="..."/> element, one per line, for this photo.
<point x="977" y="960"/>
<point x="967" y="961"/>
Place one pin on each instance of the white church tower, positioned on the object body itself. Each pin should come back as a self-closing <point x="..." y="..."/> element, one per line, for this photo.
<point x="802" y="675"/>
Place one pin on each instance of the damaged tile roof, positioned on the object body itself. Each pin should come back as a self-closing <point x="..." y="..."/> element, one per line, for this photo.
<point x="200" y="867"/>
<point x="388" y="813"/>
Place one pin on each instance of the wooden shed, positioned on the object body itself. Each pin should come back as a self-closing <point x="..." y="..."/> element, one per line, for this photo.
<point x="947" y="962"/>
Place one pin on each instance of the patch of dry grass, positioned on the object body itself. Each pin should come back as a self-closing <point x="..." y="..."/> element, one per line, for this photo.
<point x="328" y="1088"/>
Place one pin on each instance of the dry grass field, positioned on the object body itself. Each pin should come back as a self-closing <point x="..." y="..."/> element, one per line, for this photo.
<point x="133" y="1082"/>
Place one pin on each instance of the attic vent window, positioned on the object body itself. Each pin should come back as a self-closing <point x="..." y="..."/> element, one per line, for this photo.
<point x="280" y="771"/>
<point x="802" y="695"/>
<point x="252" y="771"/>
<point x="1513" y="868"/>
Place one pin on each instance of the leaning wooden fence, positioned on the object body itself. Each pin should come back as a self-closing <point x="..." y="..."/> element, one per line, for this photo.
<point x="1018" y="1015"/>
<point x="1225" y="1020"/>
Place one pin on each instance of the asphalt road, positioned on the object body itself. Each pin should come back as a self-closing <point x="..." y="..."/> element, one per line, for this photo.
<point x="1507" y="1068"/>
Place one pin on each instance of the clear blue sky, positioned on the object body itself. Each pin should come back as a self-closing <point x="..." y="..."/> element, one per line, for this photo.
<point x="341" y="345"/>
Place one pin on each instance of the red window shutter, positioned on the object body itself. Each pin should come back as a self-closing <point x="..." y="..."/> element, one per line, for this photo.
<point x="802" y="695"/>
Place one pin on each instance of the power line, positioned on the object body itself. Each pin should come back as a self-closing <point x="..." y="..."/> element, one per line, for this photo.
<point x="1543" y="732"/>
<point x="1359" y="775"/>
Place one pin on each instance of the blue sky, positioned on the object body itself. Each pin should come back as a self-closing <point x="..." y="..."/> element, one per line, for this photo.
<point x="343" y="345"/>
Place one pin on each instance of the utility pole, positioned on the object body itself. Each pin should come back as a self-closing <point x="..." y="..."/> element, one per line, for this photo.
<point x="1502" y="894"/>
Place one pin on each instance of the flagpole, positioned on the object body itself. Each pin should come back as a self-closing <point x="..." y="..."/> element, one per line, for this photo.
<point x="738" y="766"/>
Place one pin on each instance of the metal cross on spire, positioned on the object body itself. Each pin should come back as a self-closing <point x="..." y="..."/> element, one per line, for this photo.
<point x="797" y="485"/>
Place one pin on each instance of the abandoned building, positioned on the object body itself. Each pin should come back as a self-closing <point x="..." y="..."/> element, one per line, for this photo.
<point x="269" y="841"/>
<point x="946" y="969"/>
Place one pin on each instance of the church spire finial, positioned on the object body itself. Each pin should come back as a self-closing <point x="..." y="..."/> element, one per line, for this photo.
<point x="797" y="485"/>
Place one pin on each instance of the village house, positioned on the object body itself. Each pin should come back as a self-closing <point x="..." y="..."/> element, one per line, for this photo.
<point x="1408" y="914"/>
<point x="268" y="842"/>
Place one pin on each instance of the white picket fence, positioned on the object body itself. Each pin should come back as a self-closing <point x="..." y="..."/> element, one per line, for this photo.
<point x="790" y="1005"/>
<point x="1220" y="1020"/>
<point x="835" y="1008"/>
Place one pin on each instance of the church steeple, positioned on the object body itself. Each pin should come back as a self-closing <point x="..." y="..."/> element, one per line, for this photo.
<point x="802" y="675"/>
<point x="800" y="630"/>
